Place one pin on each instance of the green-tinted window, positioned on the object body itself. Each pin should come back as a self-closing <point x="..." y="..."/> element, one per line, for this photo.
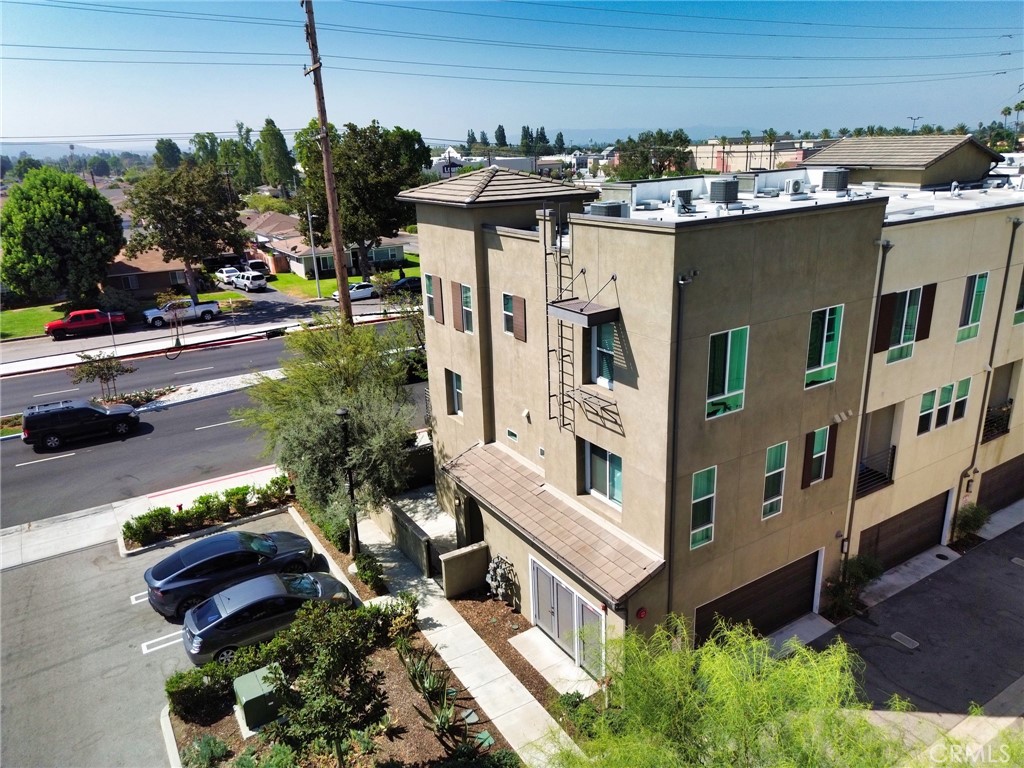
<point x="454" y="393"/>
<point x="603" y="353"/>
<point x="428" y="283"/>
<point x="702" y="509"/>
<point x="605" y="473"/>
<point x="506" y="311"/>
<point x="727" y="371"/>
<point x="942" y="412"/>
<point x="774" y="479"/>
<point x="904" y="325"/>
<point x="1018" y="308"/>
<point x="924" y="421"/>
<point x="467" y="309"/>
<point x="823" y="346"/>
<point x="963" y="389"/>
<point x="970" y="310"/>
<point x="818" y="454"/>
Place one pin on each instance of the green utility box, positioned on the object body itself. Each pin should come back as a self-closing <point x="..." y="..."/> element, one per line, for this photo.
<point x="257" y="698"/>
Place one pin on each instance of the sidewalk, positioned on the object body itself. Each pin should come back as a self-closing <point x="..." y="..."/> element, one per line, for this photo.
<point x="520" y="718"/>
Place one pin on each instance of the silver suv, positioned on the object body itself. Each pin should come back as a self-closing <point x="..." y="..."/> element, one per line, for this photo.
<point x="249" y="281"/>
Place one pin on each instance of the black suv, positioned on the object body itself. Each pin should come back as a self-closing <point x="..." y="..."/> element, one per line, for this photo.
<point x="50" y="425"/>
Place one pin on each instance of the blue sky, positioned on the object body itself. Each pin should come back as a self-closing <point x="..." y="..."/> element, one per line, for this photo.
<point x="120" y="74"/>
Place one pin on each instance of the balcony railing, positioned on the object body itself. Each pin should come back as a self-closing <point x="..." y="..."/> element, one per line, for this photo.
<point x="997" y="421"/>
<point x="875" y="472"/>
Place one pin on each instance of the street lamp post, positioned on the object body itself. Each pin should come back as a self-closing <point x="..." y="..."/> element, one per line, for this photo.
<point x="913" y="123"/>
<point x="353" y="530"/>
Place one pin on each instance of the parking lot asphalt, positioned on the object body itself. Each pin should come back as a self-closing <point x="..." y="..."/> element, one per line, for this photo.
<point x="84" y="659"/>
<point x="968" y="622"/>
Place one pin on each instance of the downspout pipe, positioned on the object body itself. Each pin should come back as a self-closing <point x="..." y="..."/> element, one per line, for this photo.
<point x="886" y="246"/>
<point x="968" y="471"/>
<point x="682" y="281"/>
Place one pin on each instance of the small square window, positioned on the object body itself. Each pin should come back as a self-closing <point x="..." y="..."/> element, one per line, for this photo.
<point x="604" y="474"/>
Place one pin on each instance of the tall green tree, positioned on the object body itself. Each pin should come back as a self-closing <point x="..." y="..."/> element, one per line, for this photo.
<point x="168" y="154"/>
<point x="770" y="135"/>
<point x="559" y="145"/>
<point x="526" y="140"/>
<point x="541" y="144"/>
<point x="58" y="236"/>
<point x="470" y="140"/>
<point x="98" y="165"/>
<point x="499" y="137"/>
<point x="372" y="165"/>
<point x="333" y="365"/>
<point x="730" y="702"/>
<point x="6" y="165"/>
<point x="826" y="133"/>
<point x="277" y="162"/>
<point x="1005" y="112"/>
<point x="23" y="165"/>
<point x="652" y="153"/>
<point x="484" y="140"/>
<point x="1018" y="108"/>
<point x="188" y="214"/>
<point x="746" y="149"/>
<point x="205" y="147"/>
<point x="238" y="157"/>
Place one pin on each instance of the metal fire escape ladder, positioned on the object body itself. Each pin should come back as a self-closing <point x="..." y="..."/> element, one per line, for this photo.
<point x="560" y="334"/>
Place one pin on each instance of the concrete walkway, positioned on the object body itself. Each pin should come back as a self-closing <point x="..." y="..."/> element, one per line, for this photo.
<point x="505" y="702"/>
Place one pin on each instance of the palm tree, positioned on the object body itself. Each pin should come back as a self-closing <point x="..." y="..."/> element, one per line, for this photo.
<point x="1005" y="112"/>
<point x="746" y="145"/>
<point x="770" y="135"/>
<point x="844" y="132"/>
<point x="723" y="140"/>
<point x="960" y="129"/>
<point x="826" y="134"/>
<point x="1018" y="108"/>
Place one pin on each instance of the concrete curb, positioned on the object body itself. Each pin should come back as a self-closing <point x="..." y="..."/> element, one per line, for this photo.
<point x="318" y="546"/>
<point x="170" y="743"/>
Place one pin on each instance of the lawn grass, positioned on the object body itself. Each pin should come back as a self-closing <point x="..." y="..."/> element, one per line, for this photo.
<point x="28" y="321"/>
<point x="295" y="285"/>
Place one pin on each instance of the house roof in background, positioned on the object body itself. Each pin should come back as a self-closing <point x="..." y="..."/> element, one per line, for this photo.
<point x="147" y="261"/>
<point x="495" y="185"/>
<point x="896" y="151"/>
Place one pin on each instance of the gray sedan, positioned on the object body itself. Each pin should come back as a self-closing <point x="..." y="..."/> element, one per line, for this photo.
<point x="254" y="611"/>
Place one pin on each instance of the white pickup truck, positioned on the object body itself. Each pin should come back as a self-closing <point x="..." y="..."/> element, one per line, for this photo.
<point x="181" y="310"/>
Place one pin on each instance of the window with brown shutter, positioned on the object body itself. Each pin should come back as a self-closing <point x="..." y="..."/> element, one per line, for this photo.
<point x="819" y="455"/>
<point x="883" y="325"/>
<point x="439" y="301"/>
<point x="519" y="318"/>
<point x="924" y="315"/>
<point x="456" y="303"/>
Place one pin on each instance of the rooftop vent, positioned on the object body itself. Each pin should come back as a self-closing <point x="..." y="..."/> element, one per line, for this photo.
<point x="834" y="181"/>
<point x="725" y="191"/>
<point x="613" y="208"/>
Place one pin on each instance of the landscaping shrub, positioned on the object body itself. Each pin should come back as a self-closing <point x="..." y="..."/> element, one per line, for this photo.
<point x="213" y="506"/>
<point x="333" y="522"/>
<point x="578" y="711"/>
<point x="970" y="519"/>
<point x="370" y="571"/>
<point x="275" y="492"/>
<point x="150" y="526"/>
<point x="238" y="499"/>
<point x="200" y="695"/>
<point x="862" y="569"/>
<point x="204" y="753"/>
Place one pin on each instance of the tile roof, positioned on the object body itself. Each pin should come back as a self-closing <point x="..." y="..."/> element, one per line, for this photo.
<point x="599" y="555"/>
<point x="895" y="151"/>
<point x="495" y="185"/>
<point x="273" y="223"/>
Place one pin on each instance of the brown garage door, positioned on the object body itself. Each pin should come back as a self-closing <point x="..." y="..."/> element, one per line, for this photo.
<point x="768" y="603"/>
<point x="1002" y="485"/>
<point x="909" y="533"/>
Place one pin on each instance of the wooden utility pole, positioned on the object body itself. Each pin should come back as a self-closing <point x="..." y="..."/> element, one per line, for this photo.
<point x="333" y="214"/>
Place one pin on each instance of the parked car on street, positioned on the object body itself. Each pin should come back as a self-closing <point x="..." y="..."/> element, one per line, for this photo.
<point x="254" y="611"/>
<point x="83" y="321"/>
<point x="255" y="265"/>
<point x="407" y="285"/>
<point x="359" y="291"/>
<point x="49" y="425"/>
<point x="181" y="310"/>
<point x="249" y="281"/>
<point x="190" y="575"/>
<point x="225" y="274"/>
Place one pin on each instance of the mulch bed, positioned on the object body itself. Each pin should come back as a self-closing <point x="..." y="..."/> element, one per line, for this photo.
<point x="496" y="622"/>
<point x="342" y="559"/>
<point x="966" y="543"/>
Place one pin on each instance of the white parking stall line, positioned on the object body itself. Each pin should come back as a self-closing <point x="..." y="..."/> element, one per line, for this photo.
<point x="58" y="392"/>
<point x="194" y="370"/>
<point x="49" y="458"/>
<point x="164" y="642"/>
<point x="220" y="424"/>
<point x="139" y="598"/>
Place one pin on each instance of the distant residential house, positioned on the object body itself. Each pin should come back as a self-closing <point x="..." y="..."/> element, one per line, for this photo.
<point x="147" y="274"/>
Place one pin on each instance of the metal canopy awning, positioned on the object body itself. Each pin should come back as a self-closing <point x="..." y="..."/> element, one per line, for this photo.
<point x="582" y="312"/>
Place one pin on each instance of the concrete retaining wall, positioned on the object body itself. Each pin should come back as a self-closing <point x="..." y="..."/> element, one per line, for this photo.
<point x="464" y="569"/>
<point x="403" y="530"/>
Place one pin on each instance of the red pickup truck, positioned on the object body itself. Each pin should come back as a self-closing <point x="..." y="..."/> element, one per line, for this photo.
<point x="84" y="321"/>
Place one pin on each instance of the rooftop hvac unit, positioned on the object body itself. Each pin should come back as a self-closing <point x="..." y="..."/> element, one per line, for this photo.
<point x="686" y="195"/>
<point x="834" y="181"/>
<point x="649" y="205"/>
<point x="794" y="186"/>
<point x="610" y="208"/>
<point x="725" y="191"/>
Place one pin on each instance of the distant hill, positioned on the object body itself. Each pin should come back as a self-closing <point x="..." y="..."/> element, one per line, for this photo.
<point x="697" y="133"/>
<point x="55" y="151"/>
